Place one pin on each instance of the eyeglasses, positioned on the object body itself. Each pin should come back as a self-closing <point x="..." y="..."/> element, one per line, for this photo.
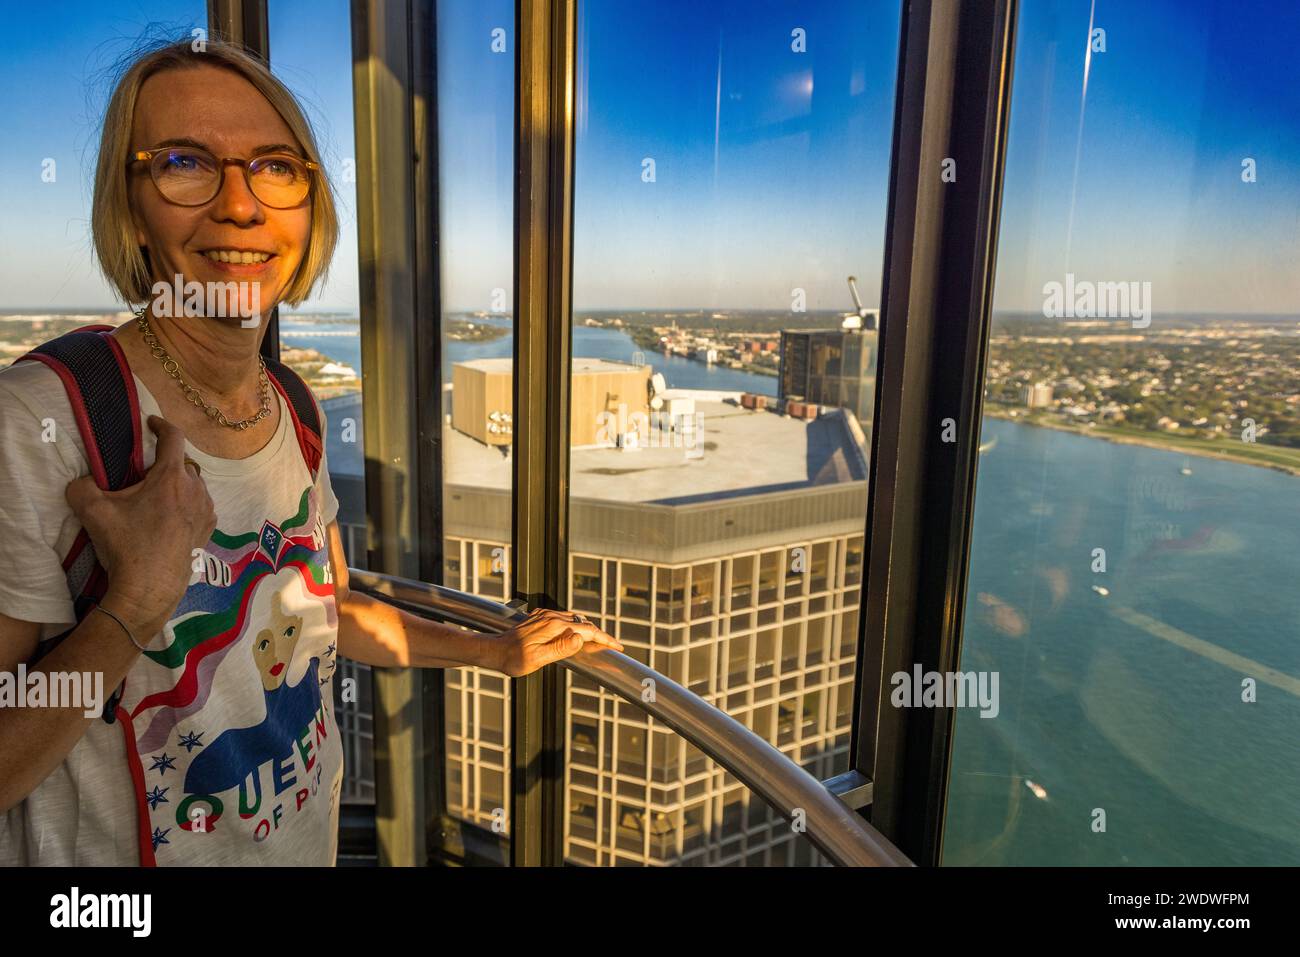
<point x="188" y="176"/>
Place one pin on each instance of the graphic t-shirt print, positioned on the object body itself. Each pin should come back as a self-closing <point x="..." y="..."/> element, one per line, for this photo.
<point x="234" y="715"/>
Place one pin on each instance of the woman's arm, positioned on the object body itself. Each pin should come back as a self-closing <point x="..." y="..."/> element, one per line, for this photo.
<point x="376" y="633"/>
<point x="143" y="537"/>
<point x="34" y="741"/>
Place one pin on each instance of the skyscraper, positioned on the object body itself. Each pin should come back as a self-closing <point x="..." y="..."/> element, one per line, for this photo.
<point x="835" y="367"/>
<point x="735" y="575"/>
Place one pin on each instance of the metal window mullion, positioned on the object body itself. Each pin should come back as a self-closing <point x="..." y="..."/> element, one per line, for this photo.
<point x="543" y="222"/>
<point x="246" y="23"/>
<point x="427" y="339"/>
<point x="243" y="22"/>
<point x="952" y="103"/>
<point x="396" y="184"/>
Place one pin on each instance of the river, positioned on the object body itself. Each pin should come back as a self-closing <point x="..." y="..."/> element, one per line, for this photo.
<point x="1122" y="735"/>
<point x="343" y="344"/>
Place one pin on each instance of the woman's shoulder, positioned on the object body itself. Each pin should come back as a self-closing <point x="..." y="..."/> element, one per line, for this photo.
<point x="26" y="381"/>
<point x="36" y="419"/>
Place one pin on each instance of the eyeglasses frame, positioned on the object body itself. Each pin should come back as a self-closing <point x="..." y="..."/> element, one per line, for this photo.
<point x="146" y="156"/>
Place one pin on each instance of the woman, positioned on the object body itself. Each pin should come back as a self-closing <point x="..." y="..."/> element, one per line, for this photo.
<point x="223" y="600"/>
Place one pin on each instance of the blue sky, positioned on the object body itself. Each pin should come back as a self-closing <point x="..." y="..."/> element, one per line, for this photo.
<point x="770" y="165"/>
<point x="1185" y="91"/>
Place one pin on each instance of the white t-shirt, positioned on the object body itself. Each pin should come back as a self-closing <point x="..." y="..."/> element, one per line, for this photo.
<point x="232" y="706"/>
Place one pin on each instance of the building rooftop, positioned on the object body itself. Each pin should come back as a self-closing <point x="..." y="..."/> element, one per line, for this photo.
<point x="744" y="453"/>
<point x="505" y="365"/>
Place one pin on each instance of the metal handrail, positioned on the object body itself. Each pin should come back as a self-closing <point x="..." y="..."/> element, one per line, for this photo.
<point x="833" y="827"/>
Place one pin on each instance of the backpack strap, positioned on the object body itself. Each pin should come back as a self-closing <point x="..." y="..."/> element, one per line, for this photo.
<point x="302" y="407"/>
<point x="106" y="407"/>
<point x="101" y="391"/>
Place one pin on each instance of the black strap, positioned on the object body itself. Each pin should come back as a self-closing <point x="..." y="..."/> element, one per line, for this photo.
<point x="109" y="427"/>
<point x="304" y="406"/>
<point x="107" y="415"/>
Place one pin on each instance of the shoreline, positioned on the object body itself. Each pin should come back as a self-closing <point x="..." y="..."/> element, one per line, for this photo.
<point x="1205" y="452"/>
<point x="1192" y="447"/>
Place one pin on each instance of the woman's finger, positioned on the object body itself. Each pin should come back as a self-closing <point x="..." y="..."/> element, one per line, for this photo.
<point x="587" y="632"/>
<point x="81" y="493"/>
<point x="561" y="646"/>
<point x="171" y="442"/>
<point x="608" y="641"/>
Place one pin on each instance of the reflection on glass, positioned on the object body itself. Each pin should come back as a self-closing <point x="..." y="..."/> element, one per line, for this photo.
<point x="1136" y="597"/>
<point x="320" y="338"/>
<point x="58" y="58"/>
<point x="731" y="173"/>
<point x="660" y="816"/>
<point x="476" y="76"/>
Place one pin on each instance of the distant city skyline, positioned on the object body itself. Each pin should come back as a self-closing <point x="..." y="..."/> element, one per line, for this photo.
<point x="765" y="179"/>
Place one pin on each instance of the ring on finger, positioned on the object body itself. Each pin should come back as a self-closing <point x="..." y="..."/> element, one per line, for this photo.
<point x="189" y="461"/>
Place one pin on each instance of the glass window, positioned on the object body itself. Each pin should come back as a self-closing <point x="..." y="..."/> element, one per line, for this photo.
<point x="819" y="578"/>
<point x="853" y="561"/>
<point x="475" y="115"/>
<point x="491" y="562"/>
<point x="770" y="568"/>
<point x="57" y="72"/>
<point x="635" y="590"/>
<point x="702" y="579"/>
<point x="585" y="583"/>
<point x="796" y="570"/>
<point x="717" y="353"/>
<point x="792" y="656"/>
<point x="631" y="750"/>
<point x="320" y="338"/>
<point x="742" y="581"/>
<point x="451" y="564"/>
<point x="701" y="664"/>
<point x="1133" y="565"/>
<point x="670" y="594"/>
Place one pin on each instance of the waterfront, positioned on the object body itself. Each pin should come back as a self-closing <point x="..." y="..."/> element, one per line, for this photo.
<point x="1121" y="691"/>
<point x="343" y="344"/>
<point x="1128" y="702"/>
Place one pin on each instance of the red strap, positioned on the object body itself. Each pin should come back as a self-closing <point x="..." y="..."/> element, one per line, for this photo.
<point x="308" y="441"/>
<point x="143" y="835"/>
<point x="97" y="581"/>
<point x="78" y="403"/>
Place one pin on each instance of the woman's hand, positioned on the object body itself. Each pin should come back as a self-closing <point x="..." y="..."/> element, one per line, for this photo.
<point x="145" y="535"/>
<point x="546" y="636"/>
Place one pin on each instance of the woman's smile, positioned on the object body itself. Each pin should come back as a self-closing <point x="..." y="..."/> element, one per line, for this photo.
<point x="239" y="262"/>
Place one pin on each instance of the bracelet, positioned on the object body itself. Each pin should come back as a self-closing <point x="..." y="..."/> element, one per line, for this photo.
<point x="120" y="622"/>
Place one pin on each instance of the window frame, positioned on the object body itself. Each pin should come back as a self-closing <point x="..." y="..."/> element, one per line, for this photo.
<point x="952" y="100"/>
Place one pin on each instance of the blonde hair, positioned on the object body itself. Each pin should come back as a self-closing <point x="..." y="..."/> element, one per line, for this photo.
<point x="124" y="263"/>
